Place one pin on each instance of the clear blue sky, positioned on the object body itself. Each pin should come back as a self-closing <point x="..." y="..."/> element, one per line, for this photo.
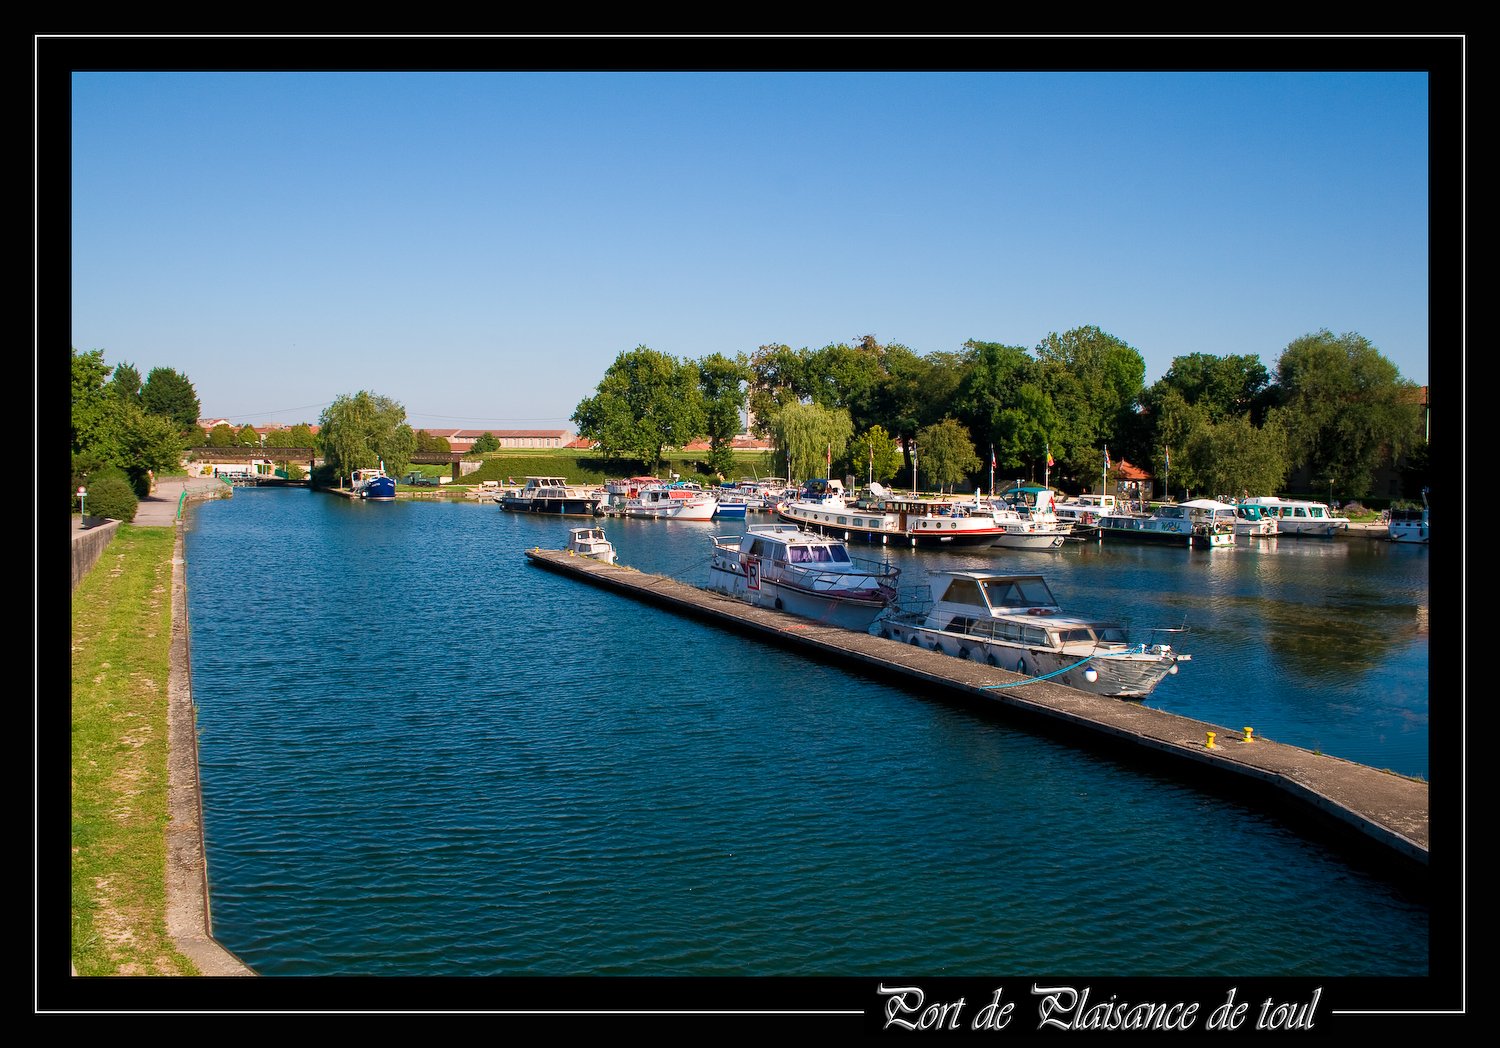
<point x="481" y="246"/>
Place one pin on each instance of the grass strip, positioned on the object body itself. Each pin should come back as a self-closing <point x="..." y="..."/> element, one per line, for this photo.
<point x="122" y="632"/>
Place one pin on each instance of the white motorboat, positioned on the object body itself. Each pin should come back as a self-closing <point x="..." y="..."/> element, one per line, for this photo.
<point x="1254" y="521"/>
<point x="1297" y="517"/>
<point x="1409" y="525"/>
<point x="1028" y="519"/>
<point x="680" y="501"/>
<point x="591" y="543"/>
<point x="783" y="567"/>
<point x="1013" y="622"/>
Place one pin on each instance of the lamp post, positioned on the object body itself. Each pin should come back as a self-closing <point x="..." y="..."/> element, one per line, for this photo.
<point x="81" y="493"/>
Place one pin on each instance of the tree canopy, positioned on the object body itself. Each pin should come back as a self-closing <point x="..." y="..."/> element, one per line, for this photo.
<point x="1344" y="408"/>
<point x="646" y="402"/>
<point x="810" y="437"/>
<point x="364" y="430"/>
<point x="946" y="453"/>
<point x="722" y="383"/>
<point x="170" y="394"/>
<point x="111" y="427"/>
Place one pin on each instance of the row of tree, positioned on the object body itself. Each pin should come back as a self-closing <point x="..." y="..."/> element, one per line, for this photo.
<point x="125" y="425"/>
<point x="1333" y="405"/>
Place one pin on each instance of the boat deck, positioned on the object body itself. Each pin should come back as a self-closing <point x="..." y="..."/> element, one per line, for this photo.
<point x="1381" y="807"/>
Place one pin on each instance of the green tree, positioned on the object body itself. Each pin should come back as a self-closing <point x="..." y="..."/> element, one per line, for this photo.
<point x="778" y="376"/>
<point x="223" y="436"/>
<point x="96" y="412"/>
<point x="809" y="436"/>
<point x="1002" y="396"/>
<point x="247" y="437"/>
<point x="1095" y="381"/>
<point x="646" y="402"/>
<point x="875" y="455"/>
<point x="170" y="394"/>
<point x="1223" y="387"/>
<point x="1233" y="457"/>
<point x="1345" y="409"/>
<point x="946" y="453"/>
<point x="431" y="443"/>
<point x="126" y="383"/>
<point x="486" y="442"/>
<point x="722" y="382"/>
<point x="365" y="430"/>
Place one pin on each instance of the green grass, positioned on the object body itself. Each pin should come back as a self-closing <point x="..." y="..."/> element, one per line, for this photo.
<point x="122" y="630"/>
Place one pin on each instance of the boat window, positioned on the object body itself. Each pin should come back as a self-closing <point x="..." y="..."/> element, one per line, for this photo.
<point x="1301" y="511"/>
<point x="756" y="550"/>
<point x="964" y="591"/>
<point x="1033" y="635"/>
<point x="839" y="554"/>
<point x="797" y="554"/>
<point x="1316" y="511"/>
<point x="1111" y="634"/>
<point x="1080" y="635"/>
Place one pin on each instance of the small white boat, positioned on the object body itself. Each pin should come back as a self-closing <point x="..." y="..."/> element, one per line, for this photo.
<point x="551" y="495"/>
<point x="1028" y="520"/>
<point x="1410" y="525"/>
<point x="591" y="543"/>
<point x="1013" y="622"/>
<point x="783" y="567"/>
<point x="680" y="501"/>
<point x="1297" y="517"/>
<point x="1255" y="522"/>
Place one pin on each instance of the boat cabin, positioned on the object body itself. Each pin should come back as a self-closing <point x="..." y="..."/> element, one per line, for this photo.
<point x="1015" y="608"/>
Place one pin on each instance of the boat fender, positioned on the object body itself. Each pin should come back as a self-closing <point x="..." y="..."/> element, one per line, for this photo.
<point x="1021" y="667"/>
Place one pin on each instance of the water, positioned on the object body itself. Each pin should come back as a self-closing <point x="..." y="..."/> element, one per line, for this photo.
<point x="423" y="756"/>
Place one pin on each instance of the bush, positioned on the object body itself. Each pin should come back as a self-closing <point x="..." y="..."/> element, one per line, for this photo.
<point x="111" y="496"/>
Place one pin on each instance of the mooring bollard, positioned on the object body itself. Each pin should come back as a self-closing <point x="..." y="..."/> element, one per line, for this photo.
<point x="1249" y="734"/>
<point x="1210" y="744"/>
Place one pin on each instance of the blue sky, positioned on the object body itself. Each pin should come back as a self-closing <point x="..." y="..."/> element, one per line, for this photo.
<point x="480" y="246"/>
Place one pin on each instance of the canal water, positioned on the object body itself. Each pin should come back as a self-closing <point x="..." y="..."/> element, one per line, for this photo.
<point x="423" y="756"/>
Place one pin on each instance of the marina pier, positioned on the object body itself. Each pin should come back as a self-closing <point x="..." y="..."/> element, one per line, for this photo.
<point x="1376" y="807"/>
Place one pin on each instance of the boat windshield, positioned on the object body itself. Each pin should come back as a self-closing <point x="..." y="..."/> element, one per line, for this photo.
<point x="1017" y="593"/>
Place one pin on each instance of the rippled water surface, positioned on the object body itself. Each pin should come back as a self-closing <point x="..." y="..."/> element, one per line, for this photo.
<point x="423" y="756"/>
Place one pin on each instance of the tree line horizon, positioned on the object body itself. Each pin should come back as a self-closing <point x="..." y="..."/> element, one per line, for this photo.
<point x="1332" y="404"/>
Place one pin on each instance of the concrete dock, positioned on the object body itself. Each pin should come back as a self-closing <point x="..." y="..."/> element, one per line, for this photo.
<point x="1377" y="807"/>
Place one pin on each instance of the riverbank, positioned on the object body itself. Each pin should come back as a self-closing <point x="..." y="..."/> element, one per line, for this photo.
<point x="139" y="891"/>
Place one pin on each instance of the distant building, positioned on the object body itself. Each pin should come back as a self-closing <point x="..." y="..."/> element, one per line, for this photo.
<point x="462" y="440"/>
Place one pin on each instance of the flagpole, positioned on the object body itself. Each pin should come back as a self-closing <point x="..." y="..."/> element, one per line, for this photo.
<point x="992" y="471"/>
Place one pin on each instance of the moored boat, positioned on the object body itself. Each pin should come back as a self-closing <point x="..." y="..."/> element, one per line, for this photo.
<point x="591" y="543"/>
<point x="551" y="495"/>
<point x="1199" y="524"/>
<point x="781" y="566"/>
<point x="1299" y="517"/>
<point x="1013" y="622"/>
<point x="888" y="518"/>
<point x="1409" y="525"/>
<point x="1253" y="521"/>
<point x="680" y="501"/>
<point x="372" y="484"/>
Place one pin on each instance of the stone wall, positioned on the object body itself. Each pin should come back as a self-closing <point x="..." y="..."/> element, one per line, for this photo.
<point x="90" y="536"/>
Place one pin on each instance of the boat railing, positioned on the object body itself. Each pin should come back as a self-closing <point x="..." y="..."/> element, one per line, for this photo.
<point x="880" y="578"/>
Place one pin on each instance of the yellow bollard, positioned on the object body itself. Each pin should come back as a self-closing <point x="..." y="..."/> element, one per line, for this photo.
<point x="1210" y="745"/>
<point x="1249" y="734"/>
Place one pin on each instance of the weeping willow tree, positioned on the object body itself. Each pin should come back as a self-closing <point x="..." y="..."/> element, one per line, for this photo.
<point x="364" y="430"/>
<point x="810" y="437"/>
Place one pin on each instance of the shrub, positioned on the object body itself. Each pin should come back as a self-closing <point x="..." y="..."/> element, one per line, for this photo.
<point x="111" y="496"/>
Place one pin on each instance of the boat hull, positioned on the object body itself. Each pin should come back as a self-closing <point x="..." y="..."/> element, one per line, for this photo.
<point x="849" y="610"/>
<point x="1212" y="540"/>
<point x="566" y="507"/>
<point x="1129" y="675"/>
<point x="381" y="489"/>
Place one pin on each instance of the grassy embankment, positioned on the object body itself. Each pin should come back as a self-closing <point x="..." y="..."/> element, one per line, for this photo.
<point x="122" y="631"/>
<point x="589" y="467"/>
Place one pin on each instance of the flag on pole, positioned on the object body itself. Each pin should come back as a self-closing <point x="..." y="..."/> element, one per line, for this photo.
<point x="830" y="458"/>
<point x="1106" y="458"/>
<point x="1167" y="455"/>
<point x="1050" y="463"/>
<point x="992" y="456"/>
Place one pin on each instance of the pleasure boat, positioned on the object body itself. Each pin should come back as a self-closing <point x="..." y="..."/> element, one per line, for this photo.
<point x="1254" y="521"/>
<point x="679" y="501"/>
<point x="1199" y="524"/>
<point x="591" y="543"/>
<point x="1409" y="525"/>
<point x="889" y="519"/>
<point x="1013" y="622"/>
<point x="1083" y="513"/>
<point x="551" y="495"/>
<point x="1297" y="517"/>
<point x="372" y="484"/>
<point x="783" y="567"/>
<point x="1029" y="518"/>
